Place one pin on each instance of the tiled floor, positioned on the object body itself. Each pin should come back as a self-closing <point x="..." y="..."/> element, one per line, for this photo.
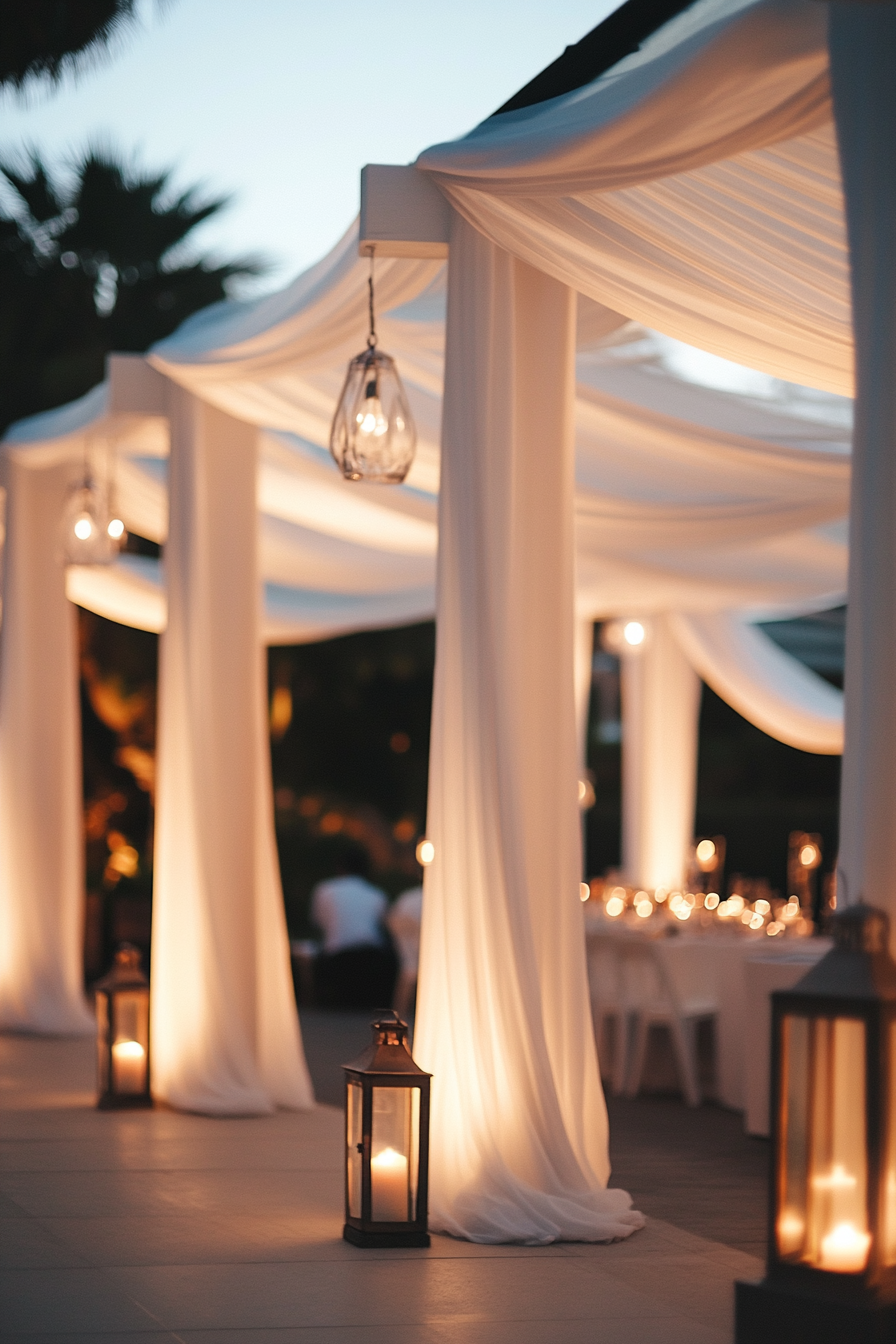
<point x="155" y="1226"/>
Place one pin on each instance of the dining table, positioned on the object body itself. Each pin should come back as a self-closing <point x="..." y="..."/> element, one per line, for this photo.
<point x="736" y="970"/>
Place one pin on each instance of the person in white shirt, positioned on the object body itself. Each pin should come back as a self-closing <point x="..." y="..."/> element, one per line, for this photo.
<point x="403" y="922"/>
<point x="356" y="967"/>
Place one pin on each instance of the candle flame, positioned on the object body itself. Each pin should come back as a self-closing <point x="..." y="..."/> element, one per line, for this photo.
<point x="128" y="1050"/>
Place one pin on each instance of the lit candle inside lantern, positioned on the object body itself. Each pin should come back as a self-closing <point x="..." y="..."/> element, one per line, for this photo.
<point x="845" y="1249"/>
<point x="128" y="1066"/>
<point x="389" y="1186"/>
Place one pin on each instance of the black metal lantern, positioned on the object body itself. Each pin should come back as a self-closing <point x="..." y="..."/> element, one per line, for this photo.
<point x="122" y="1033"/>
<point x="386" y="1141"/>
<point x="831" y="1273"/>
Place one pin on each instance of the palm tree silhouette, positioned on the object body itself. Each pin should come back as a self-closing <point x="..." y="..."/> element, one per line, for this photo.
<point x="49" y="38"/>
<point x="92" y="267"/>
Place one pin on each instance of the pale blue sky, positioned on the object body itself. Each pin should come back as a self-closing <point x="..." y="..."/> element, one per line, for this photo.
<point x="282" y="101"/>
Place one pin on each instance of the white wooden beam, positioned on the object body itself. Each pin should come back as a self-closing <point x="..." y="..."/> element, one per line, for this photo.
<point x="403" y="214"/>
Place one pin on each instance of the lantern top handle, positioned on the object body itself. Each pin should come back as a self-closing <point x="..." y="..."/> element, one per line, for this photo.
<point x="126" y="969"/>
<point x="861" y="928"/>
<point x="388" y="1051"/>
<point x="859" y="965"/>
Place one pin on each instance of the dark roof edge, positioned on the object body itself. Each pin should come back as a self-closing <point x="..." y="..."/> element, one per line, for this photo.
<point x="618" y="36"/>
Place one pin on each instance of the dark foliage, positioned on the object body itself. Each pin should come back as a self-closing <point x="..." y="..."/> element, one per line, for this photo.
<point x="92" y="268"/>
<point x="48" y="38"/>
<point x="352" y="766"/>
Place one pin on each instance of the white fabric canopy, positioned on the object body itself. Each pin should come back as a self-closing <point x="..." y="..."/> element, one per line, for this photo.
<point x="695" y="187"/>
<point x="762" y="682"/>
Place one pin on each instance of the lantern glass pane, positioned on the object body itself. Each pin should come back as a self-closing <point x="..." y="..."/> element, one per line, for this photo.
<point x="822" y="1218"/>
<point x="130" y="1047"/>
<point x="790" y="1226"/>
<point x="355" y="1136"/>
<point x="393" y="1175"/>
<point x="888" y="1240"/>
<point x="102" y="1041"/>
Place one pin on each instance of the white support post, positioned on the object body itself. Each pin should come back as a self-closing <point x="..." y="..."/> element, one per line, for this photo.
<point x="660" y="708"/>
<point x="41" y="805"/>
<point x="863" y="69"/>
<point x="225" y="1032"/>
<point x="519" y="1134"/>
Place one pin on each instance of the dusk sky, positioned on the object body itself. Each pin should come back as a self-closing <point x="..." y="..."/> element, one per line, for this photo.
<point x="281" y="102"/>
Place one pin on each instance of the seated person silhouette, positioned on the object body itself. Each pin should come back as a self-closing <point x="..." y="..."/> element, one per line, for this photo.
<point x="357" y="966"/>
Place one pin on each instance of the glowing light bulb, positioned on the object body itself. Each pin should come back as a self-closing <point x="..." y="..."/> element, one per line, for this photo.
<point x="615" y="906"/>
<point x="370" y="418"/>
<point x="706" y="851"/>
<point x="808" y="855"/>
<point x="633" y="633"/>
<point x="83" y="528"/>
<point x="115" y="528"/>
<point x="712" y="900"/>
<point x="426" y="852"/>
<point x="584" y="891"/>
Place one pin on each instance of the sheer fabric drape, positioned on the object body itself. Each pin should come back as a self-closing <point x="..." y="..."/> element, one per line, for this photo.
<point x="660" y="706"/>
<point x="41" y="809"/>
<point x="225" y="1031"/>
<point x="519" y="1134"/>
<point x="863" y="61"/>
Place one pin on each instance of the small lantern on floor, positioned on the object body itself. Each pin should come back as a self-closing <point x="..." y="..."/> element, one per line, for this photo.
<point x="373" y="437"/>
<point x="386" y="1141"/>
<point x="831" y="1272"/>
<point x="122" y="1037"/>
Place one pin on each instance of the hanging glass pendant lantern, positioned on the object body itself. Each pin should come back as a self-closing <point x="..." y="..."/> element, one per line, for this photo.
<point x="373" y="437"/>
<point x="85" y="535"/>
<point x="92" y="531"/>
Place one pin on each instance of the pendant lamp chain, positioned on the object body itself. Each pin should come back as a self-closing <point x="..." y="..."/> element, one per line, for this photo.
<point x="373" y="436"/>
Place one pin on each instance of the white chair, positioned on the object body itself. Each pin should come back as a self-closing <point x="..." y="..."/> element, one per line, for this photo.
<point x="607" y="1005"/>
<point x="659" y="988"/>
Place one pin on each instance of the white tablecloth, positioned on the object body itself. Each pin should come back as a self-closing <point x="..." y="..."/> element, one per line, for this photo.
<point x="732" y="969"/>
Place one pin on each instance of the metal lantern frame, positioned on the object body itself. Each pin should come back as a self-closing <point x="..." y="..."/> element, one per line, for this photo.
<point x="387" y="1063"/>
<point x="800" y="1302"/>
<point x="125" y="980"/>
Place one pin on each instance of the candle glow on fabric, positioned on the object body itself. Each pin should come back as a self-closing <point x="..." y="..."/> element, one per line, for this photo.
<point x="128" y="1066"/>
<point x="389" y="1186"/>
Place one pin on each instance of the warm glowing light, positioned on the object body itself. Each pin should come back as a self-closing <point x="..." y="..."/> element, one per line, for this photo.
<point x="774" y="928"/>
<point x="808" y="856"/>
<point x="838" y="1178"/>
<point x="675" y="900"/>
<point x="584" y="891"/>
<point x="389" y="1186"/>
<point x="660" y="895"/>
<point x="128" y="1050"/>
<point x="791" y="1229"/>
<point x="644" y="909"/>
<point x="712" y="900"/>
<point x="845" y="1249"/>
<point x="735" y="904"/>
<point x="756" y="921"/>
<point x="129" y="1067"/>
<point x="83" y="528"/>
<point x="115" y="529"/>
<point x="586" y="794"/>
<point x="791" y="910"/>
<point x="706" y="851"/>
<point x="426" y="852"/>
<point x="618" y="891"/>
<point x="615" y="906"/>
<point x="281" y="711"/>
<point x="761" y="907"/>
<point x="690" y="899"/>
<point x="633" y="633"/>
<point x="683" y="911"/>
